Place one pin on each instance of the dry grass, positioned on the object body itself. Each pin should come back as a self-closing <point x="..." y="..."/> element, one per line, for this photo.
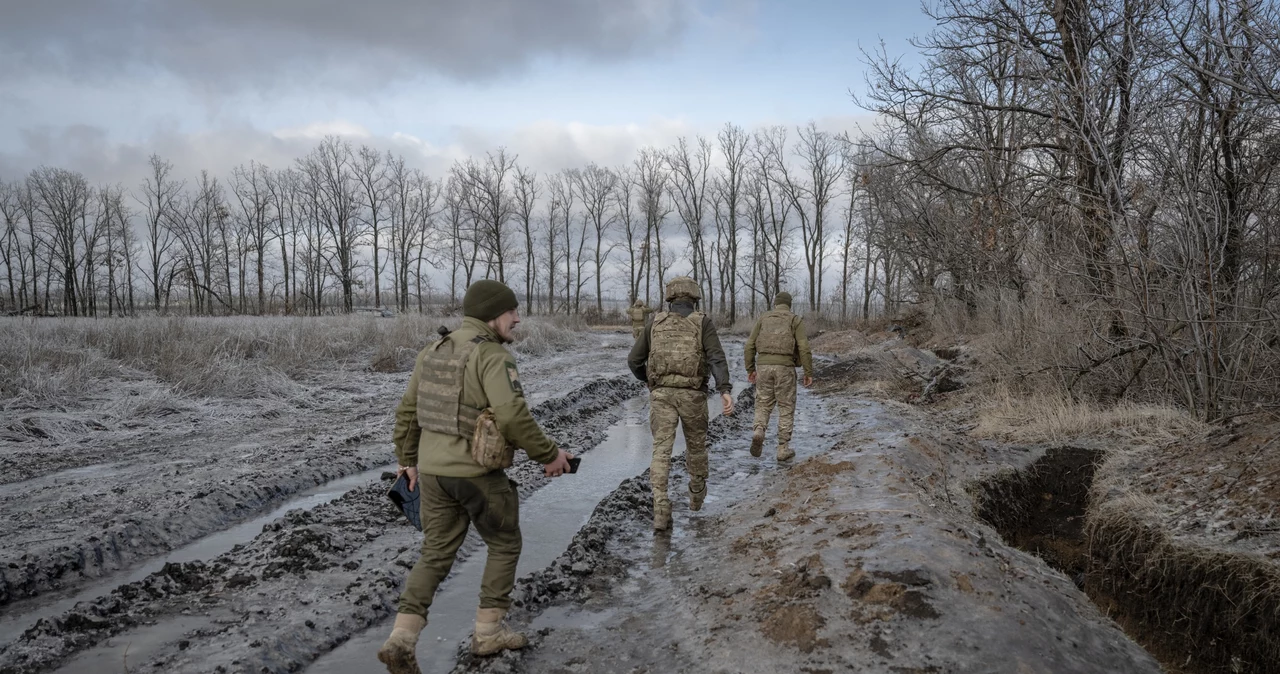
<point x="57" y="361"/>
<point x="544" y="335"/>
<point x="1051" y="416"/>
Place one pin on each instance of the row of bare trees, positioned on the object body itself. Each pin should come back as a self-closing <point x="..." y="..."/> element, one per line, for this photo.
<point x="347" y="226"/>
<point x="1114" y="156"/>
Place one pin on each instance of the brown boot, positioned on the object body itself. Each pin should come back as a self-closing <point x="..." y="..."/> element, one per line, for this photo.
<point x="697" y="492"/>
<point x="757" y="442"/>
<point x="785" y="453"/>
<point x="662" y="516"/>
<point x="493" y="635"/>
<point x="399" y="652"/>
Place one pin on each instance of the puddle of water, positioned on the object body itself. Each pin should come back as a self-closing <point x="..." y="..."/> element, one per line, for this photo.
<point x="563" y="506"/>
<point x="136" y="646"/>
<point x="20" y="615"/>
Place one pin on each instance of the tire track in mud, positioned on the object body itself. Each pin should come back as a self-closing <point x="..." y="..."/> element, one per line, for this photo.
<point x="162" y="525"/>
<point x="306" y="584"/>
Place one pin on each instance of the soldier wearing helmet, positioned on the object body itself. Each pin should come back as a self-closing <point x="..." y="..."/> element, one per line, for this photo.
<point x="674" y="354"/>
<point x="638" y="313"/>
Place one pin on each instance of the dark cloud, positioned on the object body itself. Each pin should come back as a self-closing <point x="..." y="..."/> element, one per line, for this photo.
<point x="232" y="44"/>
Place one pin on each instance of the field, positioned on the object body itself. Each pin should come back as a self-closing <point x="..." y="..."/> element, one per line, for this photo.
<point x="195" y="495"/>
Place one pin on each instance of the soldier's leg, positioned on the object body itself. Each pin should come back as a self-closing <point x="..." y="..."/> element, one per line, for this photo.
<point x="444" y="523"/>
<point x="693" y="418"/>
<point x="764" y="407"/>
<point x="663" y="417"/>
<point x="786" y="395"/>
<point x="494" y="507"/>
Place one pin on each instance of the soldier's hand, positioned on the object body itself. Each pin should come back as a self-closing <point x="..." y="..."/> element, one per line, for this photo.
<point x="412" y="472"/>
<point x="728" y="404"/>
<point x="559" y="466"/>
<point x="751" y="377"/>
<point x="808" y="381"/>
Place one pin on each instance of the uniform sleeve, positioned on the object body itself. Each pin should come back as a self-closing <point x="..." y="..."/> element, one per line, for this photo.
<point x="749" y="351"/>
<point x="638" y="359"/>
<point x="802" y="348"/>
<point x="502" y="387"/>
<point x="407" y="433"/>
<point x="715" y="356"/>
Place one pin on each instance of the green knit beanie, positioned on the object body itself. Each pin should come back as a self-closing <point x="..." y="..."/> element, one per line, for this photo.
<point x="488" y="299"/>
<point x="783" y="298"/>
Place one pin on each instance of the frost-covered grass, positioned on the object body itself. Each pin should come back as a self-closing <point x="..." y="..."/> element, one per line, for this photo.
<point x="57" y="360"/>
<point x="51" y="362"/>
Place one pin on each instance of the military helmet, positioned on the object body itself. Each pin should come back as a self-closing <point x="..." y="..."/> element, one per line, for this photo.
<point x="683" y="286"/>
<point x="639" y="302"/>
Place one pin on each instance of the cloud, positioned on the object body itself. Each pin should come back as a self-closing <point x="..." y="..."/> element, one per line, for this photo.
<point x="543" y="146"/>
<point x="239" y="44"/>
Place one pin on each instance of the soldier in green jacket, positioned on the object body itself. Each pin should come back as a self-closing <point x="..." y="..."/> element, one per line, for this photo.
<point x="638" y="313"/>
<point x="673" y="355"/>
<point x="780" y="340"/>
<point x="453" y="380"/>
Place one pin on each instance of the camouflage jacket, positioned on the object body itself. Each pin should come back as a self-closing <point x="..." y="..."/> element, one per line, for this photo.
<point x="712" y="351"/>
<point x="801" y="357"/>
<point x="489" y="380"/>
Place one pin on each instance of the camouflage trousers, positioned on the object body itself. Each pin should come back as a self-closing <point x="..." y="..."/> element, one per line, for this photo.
<point x="667" y="408"/>
<point x="776" y="384"/>
<point x="636" y="330"/>
<point x="449" y="505"/>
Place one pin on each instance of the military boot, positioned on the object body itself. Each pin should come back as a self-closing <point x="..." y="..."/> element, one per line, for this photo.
<point x="697" y="492"/>
<point x="662" y="516"/>
<point x="399" y="652"/>
<point x="785" y="453"/>
<point x="493" y="634"/>
<point x="757" y="441"/>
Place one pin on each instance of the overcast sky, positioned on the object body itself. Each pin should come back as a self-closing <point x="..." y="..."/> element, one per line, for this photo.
<point x="98" y="85"/>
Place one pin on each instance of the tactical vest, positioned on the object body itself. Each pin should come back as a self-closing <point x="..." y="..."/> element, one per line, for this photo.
<point x="636" y="314"/>
<point x="675" y="350"/>
<point x="777" y="335"/>
<point x="440" y="406"/>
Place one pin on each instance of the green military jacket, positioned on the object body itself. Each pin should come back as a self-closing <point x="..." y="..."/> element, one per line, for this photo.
<point x="802" y="356"/>
<point x="490" y="380"/>
<point x="712" y="352"/>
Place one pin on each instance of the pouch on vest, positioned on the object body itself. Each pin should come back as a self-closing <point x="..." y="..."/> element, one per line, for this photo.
<point x="777" y="336"/>
<point x="488" y="447"/>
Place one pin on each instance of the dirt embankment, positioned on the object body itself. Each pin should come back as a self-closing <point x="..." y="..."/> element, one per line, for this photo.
<point x="307" y="583"/>
<point x="865" y="555"/>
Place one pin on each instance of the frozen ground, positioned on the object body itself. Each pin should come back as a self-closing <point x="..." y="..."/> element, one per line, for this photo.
<point x="862" y="556"/>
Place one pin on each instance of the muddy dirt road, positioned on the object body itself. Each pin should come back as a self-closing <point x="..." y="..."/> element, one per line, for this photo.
<point x="261" y="543"/>
<point x="862" y="556"/>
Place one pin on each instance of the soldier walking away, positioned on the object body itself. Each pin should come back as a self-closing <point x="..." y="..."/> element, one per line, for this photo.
<point x="673" y="354"/>
<point x="782" y="344"/>
<point x="456" y="429"/>
<point x="638" y="312"/>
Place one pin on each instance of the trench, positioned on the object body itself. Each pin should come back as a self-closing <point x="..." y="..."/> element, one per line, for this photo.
<point x="22" y="614"/>
<point x="550" y="517"/>
<point x="1042" y="510"/>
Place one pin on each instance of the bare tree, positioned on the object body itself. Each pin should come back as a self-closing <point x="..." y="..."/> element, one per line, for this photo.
<point x="62" y="201"/>
<point x="689" y="184"/>
<point x="252" y="188"/>
<point x="160" y="200"/>
<point x="597" y="185"/>
<point x="371" y="173"/>
<point x="651" y="183"/>
<point x="487" y="198"/>
<point x="525" y="196"/>
<point x="728" y="186"/>
<point x="333" y="184"/>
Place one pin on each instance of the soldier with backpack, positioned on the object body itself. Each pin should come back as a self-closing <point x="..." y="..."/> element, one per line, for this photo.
<point x="779" y="339"/>
<point x="674" y="353"/>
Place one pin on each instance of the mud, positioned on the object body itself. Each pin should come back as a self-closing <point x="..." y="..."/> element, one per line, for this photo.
<point x="343" y="554"/>
<point x="862" y="556"/>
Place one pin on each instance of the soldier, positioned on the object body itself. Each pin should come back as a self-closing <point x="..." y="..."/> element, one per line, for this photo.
<point x="779" y="337"/>
<point x="638" y="312"/>
<point x="672" y="355"/>
<point x="456" y="384"/>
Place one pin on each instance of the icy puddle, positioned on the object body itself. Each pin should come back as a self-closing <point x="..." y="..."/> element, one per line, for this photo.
<point x="21" y="615"/>
<point x="562" y="508"/>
